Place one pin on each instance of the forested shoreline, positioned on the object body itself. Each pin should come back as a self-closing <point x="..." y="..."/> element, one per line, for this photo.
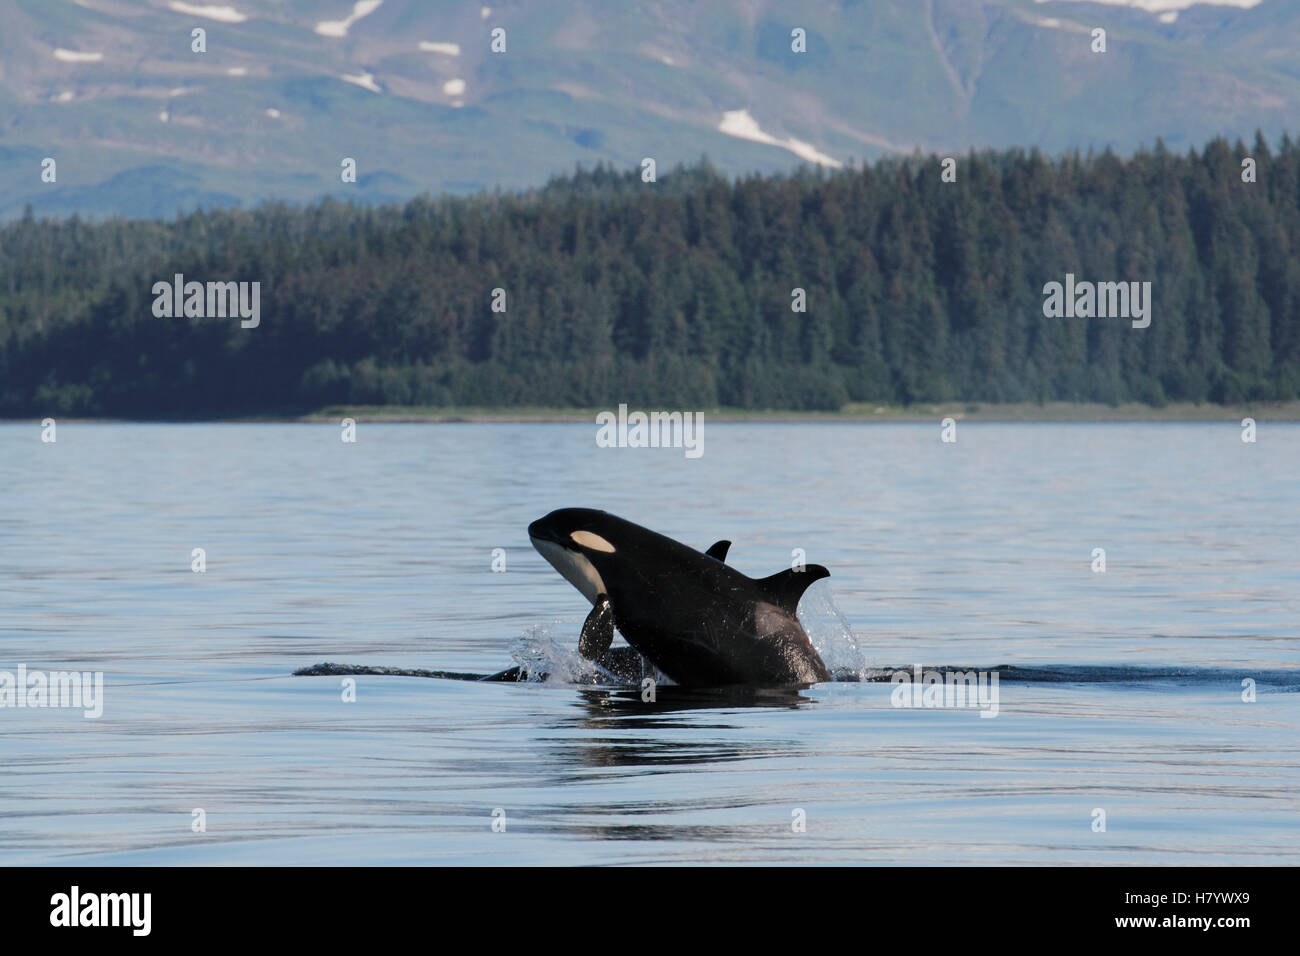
<point x="679" y="293"/>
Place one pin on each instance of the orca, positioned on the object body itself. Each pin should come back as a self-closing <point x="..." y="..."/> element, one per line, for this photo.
<point x="690" y="614"/>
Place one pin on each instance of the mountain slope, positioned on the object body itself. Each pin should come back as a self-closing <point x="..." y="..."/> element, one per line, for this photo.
<point x="139" y="124"/>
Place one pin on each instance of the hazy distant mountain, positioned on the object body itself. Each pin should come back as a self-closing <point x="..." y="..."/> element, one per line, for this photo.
<point x="140" y="125"/>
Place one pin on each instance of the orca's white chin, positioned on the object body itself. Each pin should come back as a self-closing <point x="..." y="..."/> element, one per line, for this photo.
<point x="574" y="566"/>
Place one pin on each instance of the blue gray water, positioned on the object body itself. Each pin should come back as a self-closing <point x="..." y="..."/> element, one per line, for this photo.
<point x="973" y="554"/>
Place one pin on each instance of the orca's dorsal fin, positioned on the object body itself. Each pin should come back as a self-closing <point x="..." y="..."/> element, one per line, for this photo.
<point x="718" y="550"/>
<point x="785" y="588"/>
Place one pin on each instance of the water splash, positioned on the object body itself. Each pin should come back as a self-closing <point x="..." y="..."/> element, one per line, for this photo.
<point x="832" y="635"/>
<point x="543" y="659"/>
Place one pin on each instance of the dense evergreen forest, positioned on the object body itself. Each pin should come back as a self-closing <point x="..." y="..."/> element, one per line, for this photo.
<point x="678" y="293"/>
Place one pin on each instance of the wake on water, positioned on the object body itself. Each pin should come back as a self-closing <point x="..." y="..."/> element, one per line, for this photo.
<point x="544" y="658"/>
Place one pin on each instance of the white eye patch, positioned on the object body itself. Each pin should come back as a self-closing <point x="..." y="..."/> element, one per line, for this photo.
<point x="593" y="541"/>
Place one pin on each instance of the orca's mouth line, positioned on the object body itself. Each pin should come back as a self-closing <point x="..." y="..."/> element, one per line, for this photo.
<point x="544" y="530"/>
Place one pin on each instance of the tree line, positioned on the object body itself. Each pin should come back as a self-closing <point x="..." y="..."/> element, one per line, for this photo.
<point x="599" y="288"/>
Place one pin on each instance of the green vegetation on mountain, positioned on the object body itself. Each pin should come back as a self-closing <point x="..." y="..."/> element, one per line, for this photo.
<point x="678" y="293"/>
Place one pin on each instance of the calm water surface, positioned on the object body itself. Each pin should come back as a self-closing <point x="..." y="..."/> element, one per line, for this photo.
<point x="973" y="554"/>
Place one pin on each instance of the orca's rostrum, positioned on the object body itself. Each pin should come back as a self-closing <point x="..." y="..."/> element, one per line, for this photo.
<point x="697" y="619"/>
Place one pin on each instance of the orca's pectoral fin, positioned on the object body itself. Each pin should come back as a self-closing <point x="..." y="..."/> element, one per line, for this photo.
<point x="718" y="550"/>
<point x="597" y="629"/>
<point x="785" y="588"/>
